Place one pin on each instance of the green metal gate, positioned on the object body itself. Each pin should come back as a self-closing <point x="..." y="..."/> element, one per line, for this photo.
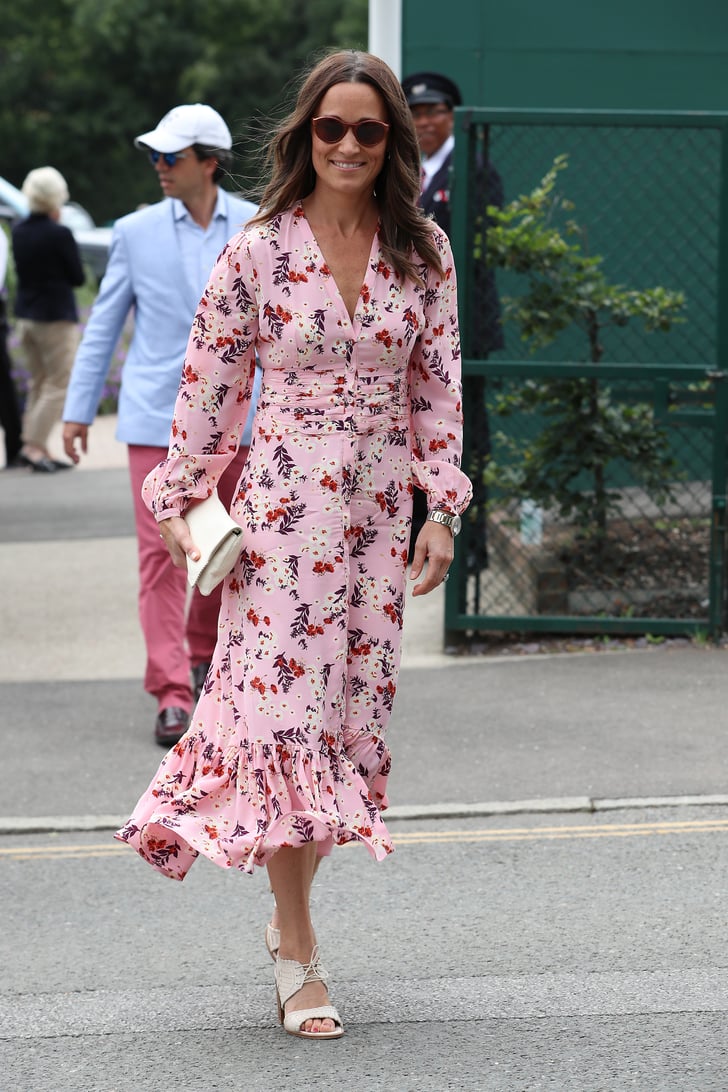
<point x="652" y="191"/>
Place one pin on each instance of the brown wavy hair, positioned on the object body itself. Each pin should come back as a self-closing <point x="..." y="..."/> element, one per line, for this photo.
<point x="403" y="227"/>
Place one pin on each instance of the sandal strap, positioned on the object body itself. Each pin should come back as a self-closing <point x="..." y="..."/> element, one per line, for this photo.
<point x="291" y="975"/>
<point x="292" y="1021"/>
<point x="272" y="940"/>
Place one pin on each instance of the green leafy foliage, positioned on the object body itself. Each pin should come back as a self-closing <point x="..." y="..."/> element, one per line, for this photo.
<point x="565" y="285"/>
<point x="79" y="80"/>
<point x="585" y="428"/>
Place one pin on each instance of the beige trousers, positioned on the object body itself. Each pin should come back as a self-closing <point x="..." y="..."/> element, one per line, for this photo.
<point x="49" y="349"/>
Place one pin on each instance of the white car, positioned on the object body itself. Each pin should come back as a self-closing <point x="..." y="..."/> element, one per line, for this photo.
<point x="93" y="242"/>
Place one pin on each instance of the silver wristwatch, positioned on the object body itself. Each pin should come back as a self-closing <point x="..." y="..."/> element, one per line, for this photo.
<point x="453" y="522"/>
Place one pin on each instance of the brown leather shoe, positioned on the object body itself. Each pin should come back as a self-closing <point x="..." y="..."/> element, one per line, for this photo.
<point x="170" y="725"/>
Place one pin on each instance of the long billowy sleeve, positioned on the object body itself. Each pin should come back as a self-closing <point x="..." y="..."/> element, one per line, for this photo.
<point x="436" y="394"/>
<point x="216" y="386"/>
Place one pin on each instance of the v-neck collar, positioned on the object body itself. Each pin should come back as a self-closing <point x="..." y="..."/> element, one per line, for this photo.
<point x="332" y="286"/>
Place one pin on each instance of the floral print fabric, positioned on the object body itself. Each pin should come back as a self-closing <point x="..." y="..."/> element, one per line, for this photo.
<point x="287" y="743"/>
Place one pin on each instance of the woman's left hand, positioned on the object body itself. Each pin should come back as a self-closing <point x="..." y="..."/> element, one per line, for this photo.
<point x="435" y="547"/>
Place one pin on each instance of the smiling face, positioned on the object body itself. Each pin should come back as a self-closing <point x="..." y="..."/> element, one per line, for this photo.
<point x="348" y="167"/>
<point x="433" y="124"/>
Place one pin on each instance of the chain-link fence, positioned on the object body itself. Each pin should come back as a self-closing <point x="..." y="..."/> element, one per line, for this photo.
<point x="599" y="458"/>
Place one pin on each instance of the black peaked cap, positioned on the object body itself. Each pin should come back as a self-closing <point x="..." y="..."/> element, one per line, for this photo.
<point x="431" y="87"/>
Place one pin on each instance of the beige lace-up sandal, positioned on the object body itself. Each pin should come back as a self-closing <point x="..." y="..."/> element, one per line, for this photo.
<point x="272" y="940"/>
<point x="291" y="976"/>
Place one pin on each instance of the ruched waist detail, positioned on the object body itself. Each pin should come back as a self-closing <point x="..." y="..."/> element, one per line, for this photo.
<point x="332" y="401"/>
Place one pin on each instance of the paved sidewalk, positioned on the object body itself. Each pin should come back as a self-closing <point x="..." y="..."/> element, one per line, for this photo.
<point x="465" y="732"/>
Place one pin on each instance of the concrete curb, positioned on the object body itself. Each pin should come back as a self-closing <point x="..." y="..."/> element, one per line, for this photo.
<point x="59" y="824"/>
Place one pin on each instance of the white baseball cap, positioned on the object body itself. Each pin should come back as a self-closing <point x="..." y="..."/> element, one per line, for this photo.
<point x="194" y="123"/>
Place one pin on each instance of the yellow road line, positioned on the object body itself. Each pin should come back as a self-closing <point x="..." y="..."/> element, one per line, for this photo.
<point x="594" y="830"/>
<point x="50" y="848"/>
<point x="537" y="836"/>
<point x="48" y="855"/>
<point x="426" y="837"/>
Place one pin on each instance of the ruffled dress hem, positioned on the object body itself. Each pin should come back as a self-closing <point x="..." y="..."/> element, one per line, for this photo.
<point x="237" y="807"/>
<point x="163" y="846"/>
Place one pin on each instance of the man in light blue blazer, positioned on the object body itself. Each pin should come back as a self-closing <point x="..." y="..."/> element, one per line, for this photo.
<point x="159" y="264"/>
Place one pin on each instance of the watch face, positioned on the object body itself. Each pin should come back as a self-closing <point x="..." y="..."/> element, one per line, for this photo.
<point x="457" y="524"/>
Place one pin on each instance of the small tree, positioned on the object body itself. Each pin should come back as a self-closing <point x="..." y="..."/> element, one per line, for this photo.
<point x="584" y="428"/>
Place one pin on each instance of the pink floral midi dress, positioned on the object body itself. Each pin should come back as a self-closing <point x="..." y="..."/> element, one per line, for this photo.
<point x="287" y="742"/>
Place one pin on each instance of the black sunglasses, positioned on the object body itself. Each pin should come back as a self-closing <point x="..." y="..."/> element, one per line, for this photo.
<point x="170" y="158"/>
<point x="367" y="133"/>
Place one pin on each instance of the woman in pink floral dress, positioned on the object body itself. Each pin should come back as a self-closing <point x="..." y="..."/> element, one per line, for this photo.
<point x="348" y="296"/>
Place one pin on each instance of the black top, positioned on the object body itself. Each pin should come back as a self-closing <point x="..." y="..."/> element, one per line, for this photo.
<point x="49" y="267"/>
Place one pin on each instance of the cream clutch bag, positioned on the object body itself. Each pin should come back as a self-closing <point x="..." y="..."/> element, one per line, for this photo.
<point x="218" y="538"/>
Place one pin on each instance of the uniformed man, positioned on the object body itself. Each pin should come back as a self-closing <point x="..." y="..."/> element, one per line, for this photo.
<point x="432" y="98"/>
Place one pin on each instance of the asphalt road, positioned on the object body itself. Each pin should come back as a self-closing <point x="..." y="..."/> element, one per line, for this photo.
<point x="528" y="952"/>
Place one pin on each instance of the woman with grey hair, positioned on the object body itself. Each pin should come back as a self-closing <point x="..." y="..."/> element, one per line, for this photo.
<point x="48" y="267"/>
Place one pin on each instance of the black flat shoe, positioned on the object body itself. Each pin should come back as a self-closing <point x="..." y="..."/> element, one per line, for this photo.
<point x="18" y="463"/>
<point x="170" y="725"/>
<point x="61" y="465"/>
<point x="43" y="465"/>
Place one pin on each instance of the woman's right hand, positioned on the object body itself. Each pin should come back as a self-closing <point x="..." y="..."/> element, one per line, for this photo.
<point x="177" y="538"/>
<point x="72" y="431"/>
<point x="435" y="546"/>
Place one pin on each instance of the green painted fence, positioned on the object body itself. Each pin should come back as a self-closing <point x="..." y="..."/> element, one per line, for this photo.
<point x="651" y="189"/>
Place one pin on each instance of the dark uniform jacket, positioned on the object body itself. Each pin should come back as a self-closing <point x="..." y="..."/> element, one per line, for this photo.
<point x="435" y="201"/>
<point x="487" y="336"/>
<point x="48" y="267"/>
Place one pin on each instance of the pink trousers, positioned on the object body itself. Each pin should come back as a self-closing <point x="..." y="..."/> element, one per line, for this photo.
<point x="177" y="637"/>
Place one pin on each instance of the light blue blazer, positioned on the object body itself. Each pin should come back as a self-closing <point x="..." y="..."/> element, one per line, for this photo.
<point x="145" y="272"/>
